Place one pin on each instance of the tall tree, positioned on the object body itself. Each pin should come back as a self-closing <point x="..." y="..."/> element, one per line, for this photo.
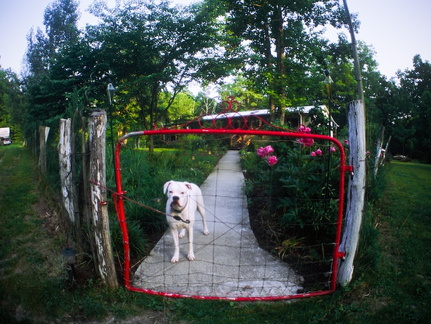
<point x="417" y="85"/>
<point x="148" y="48"/>
<point x="11" y="100"/>
<point x="60" y="21"/>
<point x="48" y="78"/>
<point x="284" y="40"/>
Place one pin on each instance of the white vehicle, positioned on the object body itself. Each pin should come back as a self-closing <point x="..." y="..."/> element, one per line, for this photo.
<point x="5" y="136"/>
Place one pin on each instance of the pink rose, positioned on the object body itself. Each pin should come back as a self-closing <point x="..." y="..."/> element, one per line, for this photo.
<point x="332" y="149"/>
<point x="303" y="129"/>
<point x="269" y="149"/>
<point x="313" y="153"/>
<point x="261" y="152"/>
<point x="306" y="141"/>
<point x="272" y="160"/>
<point x="319" y="152"/>
<point x="264" y="151"/>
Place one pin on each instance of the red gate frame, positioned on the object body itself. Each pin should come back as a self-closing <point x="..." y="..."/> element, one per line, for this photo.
<point x="119" y="203"/>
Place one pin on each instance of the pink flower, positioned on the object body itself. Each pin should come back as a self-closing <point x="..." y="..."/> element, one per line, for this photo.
<point x="346" y="142"/>
<point x="319" y="152"/>
<point x="313" y="153"/>
<point x="303" y="129"/>
<point x="272" y="160"/>
<point x="269" y="149"/>
<point x="306" y="141"/>
<point x="261" y="152"/>
<point x="264" y="151"/>
<point x="332" y="149"/>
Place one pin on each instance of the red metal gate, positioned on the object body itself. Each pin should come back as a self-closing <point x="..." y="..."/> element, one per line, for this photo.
<point x="240" y="129"/>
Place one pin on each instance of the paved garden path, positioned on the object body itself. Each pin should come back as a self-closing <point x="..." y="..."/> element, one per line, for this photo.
<point x="229" y="263"/>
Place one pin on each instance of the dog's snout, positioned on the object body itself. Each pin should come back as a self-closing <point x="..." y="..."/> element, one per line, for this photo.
<point x="175" y="198"/>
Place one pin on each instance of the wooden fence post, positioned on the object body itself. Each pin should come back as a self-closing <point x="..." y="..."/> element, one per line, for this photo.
<point x="102" y="237"/>
<point x="355" y="190"/>
<point x="378" y="152"/>
<point x="43" y="138"/>
<point x="66" y="176"/>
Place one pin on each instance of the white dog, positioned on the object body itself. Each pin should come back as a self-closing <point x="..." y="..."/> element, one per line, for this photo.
<point x="184" y="199"/>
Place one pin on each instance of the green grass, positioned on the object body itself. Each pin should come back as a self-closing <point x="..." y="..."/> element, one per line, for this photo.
<point x="391" y="285"/>
<point x="405" y="240"/>
<point x="26" y="252"/>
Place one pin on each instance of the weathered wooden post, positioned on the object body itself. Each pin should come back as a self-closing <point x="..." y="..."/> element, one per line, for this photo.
<point x="355" y="191"/>
<point x="43" y="138"/>
<point x="102" y="237"/>
<point x="66" y="177"/>
<point x="378" y="152"/>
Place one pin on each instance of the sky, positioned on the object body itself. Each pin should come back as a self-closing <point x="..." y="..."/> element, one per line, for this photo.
<point x="397" y="30"/>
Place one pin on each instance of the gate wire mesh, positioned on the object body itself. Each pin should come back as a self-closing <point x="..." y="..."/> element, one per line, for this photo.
<point x="275" y="228"/>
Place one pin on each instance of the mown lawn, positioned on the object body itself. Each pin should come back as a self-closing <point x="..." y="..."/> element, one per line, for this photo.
<point x="405" y="241"/>
<point x="391" y="283"/>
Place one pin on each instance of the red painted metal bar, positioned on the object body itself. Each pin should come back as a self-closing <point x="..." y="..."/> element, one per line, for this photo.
<point x="119" y="203"/>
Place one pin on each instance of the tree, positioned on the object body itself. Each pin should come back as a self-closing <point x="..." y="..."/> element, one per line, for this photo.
<point x="49" y="78"/>
<point x="150" y="48"/>
<point x="11" y="101"/>
<point x="284" y="43"/>
<point x="417" y="85"/>
<point x="60" y="21"/>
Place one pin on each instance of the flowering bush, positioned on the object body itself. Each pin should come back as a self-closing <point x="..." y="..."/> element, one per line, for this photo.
<point x="298" y="195"/>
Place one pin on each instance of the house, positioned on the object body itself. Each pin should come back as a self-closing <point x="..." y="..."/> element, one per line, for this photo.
<point x="254" y="119"/>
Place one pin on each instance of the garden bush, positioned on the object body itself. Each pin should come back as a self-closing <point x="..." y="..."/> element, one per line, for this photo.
<point x="292" y="188"/>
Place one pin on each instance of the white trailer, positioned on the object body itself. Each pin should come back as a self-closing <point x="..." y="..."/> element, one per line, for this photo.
<point x="4" y="132"/>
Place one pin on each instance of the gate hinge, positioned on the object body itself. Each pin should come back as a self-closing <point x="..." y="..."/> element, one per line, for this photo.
<point x="340" y="255"/>
<point x="348" y="168"/>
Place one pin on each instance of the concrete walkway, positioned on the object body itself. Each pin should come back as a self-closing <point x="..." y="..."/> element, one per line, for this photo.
<point x="229" y="262"/>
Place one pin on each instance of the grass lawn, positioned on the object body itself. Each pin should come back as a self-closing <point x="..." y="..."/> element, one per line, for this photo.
<point x="391" y="285"/>
<point x="405" y="242"/>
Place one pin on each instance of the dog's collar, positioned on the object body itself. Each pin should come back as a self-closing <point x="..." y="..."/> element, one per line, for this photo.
<point x="176" y="210"/>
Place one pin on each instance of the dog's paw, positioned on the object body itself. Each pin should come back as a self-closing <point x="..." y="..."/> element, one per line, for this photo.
<point x="182" y="233"/>
<point x="175" y="259"/>
<point x="206" y="232"/>
<point x="191" y="256"/>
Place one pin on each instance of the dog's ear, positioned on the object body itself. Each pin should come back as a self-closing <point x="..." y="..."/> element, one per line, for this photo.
<point x="188" y="185"/>
<point x="166" y="186"/>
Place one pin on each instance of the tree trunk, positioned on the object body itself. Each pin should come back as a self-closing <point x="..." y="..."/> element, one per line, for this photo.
<point x="355" y="191"/>
<point x="102" y="237"/>
<point x="269" y="62"/>
<point x="281" y="69"/>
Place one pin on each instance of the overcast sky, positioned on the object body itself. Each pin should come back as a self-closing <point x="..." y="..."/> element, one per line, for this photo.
<point x="396" y="29"/>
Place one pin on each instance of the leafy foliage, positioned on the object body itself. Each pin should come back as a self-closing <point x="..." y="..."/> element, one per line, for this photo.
<point x="284" y="45"/>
